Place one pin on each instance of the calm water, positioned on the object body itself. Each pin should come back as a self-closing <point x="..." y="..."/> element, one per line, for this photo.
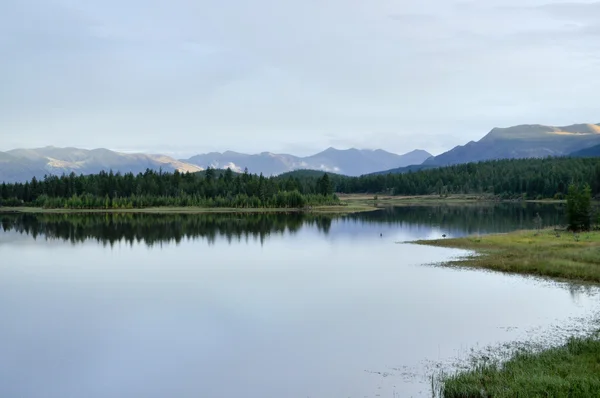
<point x="260" y="306"/>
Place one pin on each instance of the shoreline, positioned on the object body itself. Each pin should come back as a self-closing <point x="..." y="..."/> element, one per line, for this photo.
<point x="334" y="210"/>
<point x="572" y="369"/>
<point x="455" y="199"/>
<point x="349" y="203"/>
<point x="556" y="254"/>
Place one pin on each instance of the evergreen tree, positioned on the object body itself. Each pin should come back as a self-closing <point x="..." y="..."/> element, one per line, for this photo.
<point x="228" y="176"/>
<point x="324" y="186"/>
<point x="209" y="174"/>
<point x="596" y="180"/>
<point x="579" y="207"/>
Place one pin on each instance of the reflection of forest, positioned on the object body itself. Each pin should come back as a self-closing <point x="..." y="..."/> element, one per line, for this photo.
<point x="493" y="217"/>
<point x="155" y="228"/>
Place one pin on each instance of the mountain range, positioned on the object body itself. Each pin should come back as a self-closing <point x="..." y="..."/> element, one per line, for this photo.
<point x="518" y="142"/>
<point x="524" y="141"/>
<point x="352" y="162"/>
<point x="23" y="164"/>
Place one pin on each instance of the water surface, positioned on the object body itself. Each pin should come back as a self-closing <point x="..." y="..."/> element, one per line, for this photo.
<point x="259" y="305"/>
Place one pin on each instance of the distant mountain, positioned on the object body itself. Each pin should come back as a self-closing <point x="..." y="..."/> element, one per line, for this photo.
<point x="524" y="141"/>
<point x="265" y="162"/>
<point x="14" y="169"/>
<point x="307" y="173"/>
<point x="406" y="169"/>
<point x="23" y="164"/>
<point x="352" y="162"/>
<point x="590" y="152"/>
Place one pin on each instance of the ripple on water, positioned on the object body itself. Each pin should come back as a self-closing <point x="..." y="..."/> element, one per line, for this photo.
<point x="428" y="372"/>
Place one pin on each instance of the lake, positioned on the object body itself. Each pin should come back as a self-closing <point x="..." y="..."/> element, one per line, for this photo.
<point x="135" y="305"/>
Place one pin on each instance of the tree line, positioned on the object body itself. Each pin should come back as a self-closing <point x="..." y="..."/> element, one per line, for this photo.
<point x="514" y="178"/>
<point x="108" y="190"/>
<point x="508" y="178"/>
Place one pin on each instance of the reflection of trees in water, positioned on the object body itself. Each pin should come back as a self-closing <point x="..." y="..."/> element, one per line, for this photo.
<point x="579" y="291"/>
<point x="493" y="217"/>
<point x="155" y="228"/>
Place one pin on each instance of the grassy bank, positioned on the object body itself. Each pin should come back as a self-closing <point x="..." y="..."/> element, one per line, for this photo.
<point x="349" y="203"/>
<point x="550" y="253"/>
<point x="344" y="208"/>
<point x="572" y="370"/>
<point x="435" y="200"/>
<point x="389" y="200"/>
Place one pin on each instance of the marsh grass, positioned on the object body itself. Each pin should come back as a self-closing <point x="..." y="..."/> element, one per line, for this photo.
<point x="550" y="253"/>
<point x="418" y="200"/>
<point x="572" y="370"/>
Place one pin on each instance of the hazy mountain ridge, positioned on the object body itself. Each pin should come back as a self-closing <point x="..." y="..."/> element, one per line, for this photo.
<point x="523" y="141"/>
<point x="516" y="142"/>
<point x="590" y="152"/>
<point x="23" y="164"/>
<point x="351" y="162"/>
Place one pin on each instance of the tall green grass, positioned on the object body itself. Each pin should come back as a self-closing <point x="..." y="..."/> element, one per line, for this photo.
<point x="572" y="371"/>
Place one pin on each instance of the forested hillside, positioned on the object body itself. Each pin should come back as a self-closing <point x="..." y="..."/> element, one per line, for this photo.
<point x="533" y="178"/>
<point x="510" y="178"/>
<point x="587" y="152"/>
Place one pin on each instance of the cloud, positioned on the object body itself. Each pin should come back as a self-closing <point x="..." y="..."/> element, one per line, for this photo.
<point x="268" y="75"/>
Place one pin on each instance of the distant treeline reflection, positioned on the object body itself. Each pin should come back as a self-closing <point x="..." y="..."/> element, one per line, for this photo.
<point x="470" y="218"/>
<point x="163" y="228"/>
<point x="158" y="228"/>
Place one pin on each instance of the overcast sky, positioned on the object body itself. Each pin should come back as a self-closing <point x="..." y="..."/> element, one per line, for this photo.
<point x="190" y="76"/>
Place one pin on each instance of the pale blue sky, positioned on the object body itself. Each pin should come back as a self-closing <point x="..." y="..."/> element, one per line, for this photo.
<point x="190" y="76"/>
